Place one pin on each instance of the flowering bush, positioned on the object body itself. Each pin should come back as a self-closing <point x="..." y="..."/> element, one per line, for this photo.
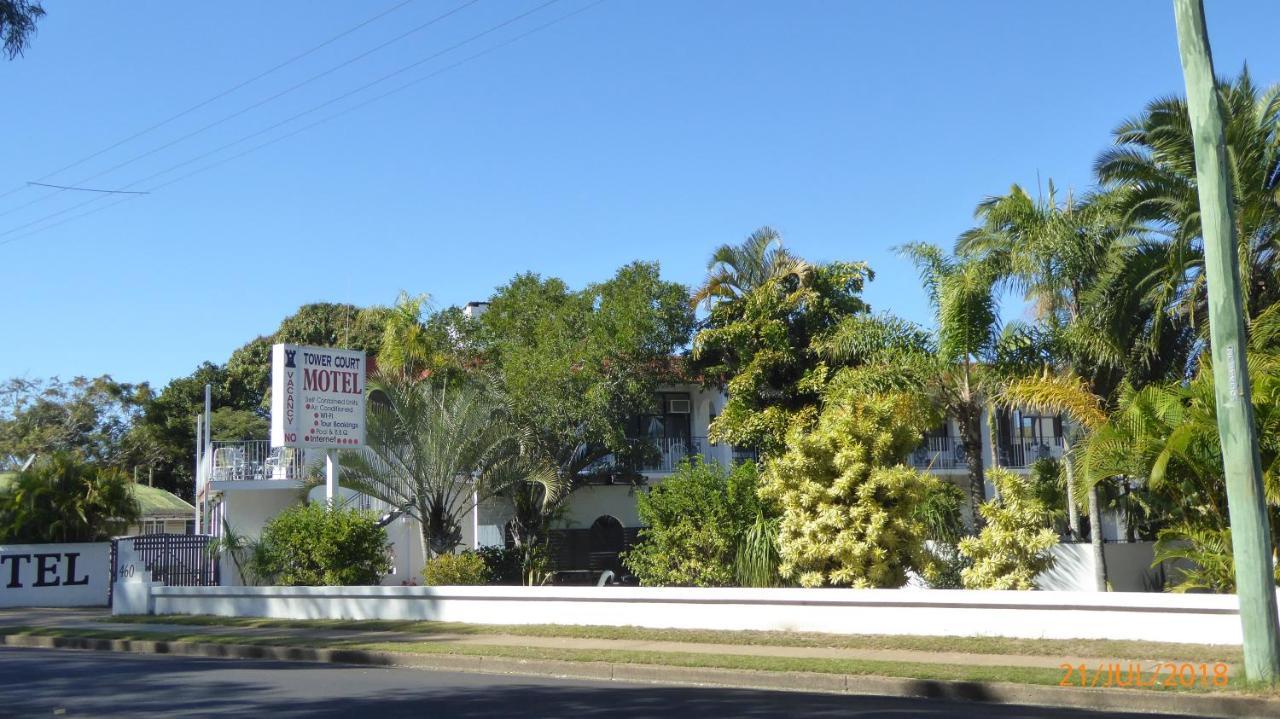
<point x="848" y="516"/>
<point x="1014" y="545"/>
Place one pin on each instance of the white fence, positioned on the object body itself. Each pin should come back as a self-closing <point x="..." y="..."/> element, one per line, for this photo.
<point x="55" y="575"/>
<point x="1203" y="618"/>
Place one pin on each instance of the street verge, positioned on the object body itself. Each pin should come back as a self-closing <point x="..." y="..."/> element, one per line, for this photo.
<point x="488" y="659"/>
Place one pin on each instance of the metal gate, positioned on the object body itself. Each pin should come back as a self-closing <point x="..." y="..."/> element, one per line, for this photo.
<point x="177" y="560"/>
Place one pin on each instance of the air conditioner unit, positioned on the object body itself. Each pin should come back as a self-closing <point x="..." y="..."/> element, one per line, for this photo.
<point x="678" y="406"/>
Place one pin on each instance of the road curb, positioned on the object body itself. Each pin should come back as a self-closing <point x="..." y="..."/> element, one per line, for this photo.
<point x="1115" y="700"/>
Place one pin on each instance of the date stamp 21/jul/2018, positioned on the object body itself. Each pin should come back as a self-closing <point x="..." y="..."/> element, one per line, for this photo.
<point x="1151" y="675"/>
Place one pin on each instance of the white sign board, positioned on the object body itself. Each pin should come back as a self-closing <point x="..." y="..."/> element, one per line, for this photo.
<point x="55" y="575"/>
<point x="317" y="397"/>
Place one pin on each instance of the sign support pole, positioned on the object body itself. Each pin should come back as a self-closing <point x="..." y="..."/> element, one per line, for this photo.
<point x="1246" y="504"/>
<point x="330" y="476"/>
<point x="200" y="478"/>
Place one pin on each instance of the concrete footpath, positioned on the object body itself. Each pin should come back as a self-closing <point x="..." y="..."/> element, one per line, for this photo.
<point x="335" y="646"/>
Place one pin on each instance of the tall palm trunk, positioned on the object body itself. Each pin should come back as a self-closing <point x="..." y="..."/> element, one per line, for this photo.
<point x="1095" y="537"/>
<point x="1073" y="512"/>
<point x="993" y="433"/>
<point x="971" y="439"/>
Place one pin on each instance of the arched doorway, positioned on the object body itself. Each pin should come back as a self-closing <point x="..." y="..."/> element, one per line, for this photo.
<point x="606" y="539"/>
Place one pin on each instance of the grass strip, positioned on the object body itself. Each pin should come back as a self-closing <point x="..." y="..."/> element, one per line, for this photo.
<point x="860" y="667"/>
<point x="1099" y="648"/>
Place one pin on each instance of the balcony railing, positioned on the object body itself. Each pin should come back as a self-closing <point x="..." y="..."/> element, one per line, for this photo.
<point x="939" y="452"/>
<point x="946" y="452"/>
<point x="1024" y="453"/>
<point x="664" y="454"/>
<point x="253" y="459"/>
<point x="672" y="451"/>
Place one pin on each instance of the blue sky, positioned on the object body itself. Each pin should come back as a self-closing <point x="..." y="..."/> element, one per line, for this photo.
<point x="649" y="130"/>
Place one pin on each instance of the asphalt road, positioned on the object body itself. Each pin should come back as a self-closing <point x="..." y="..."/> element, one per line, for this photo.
<point x="46" y="683"/>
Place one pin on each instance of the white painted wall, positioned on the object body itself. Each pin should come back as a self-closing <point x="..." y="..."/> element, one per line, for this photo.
<point x="1128" y="568"/>
<point x="407" y="554"/>
<point x="587" y="504"/>
<point x="55" y="575"/>
<point x="248" y="511"/>
<point x="1200" y="618"/>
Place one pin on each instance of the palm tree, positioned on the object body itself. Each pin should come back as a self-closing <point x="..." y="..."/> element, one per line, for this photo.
<point x="968" y="331"/>
<point x="1073" y="261"/>
<point x="736" y="270"/>
<point x="1166" y="436"/>
<point x="1152" y="168"/>
<point x="434" y="452"/>
<point x="406" y="349"/>
<point x="1050" y="252"/>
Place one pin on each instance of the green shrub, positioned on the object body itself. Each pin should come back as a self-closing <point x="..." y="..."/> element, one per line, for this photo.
<point x="942" y="515"/>
<point x="695" y="520"/>
<point x="756" y="560"/>
<point x="525" y="564"/>
<point x="505" y="565"/>
<point x="312" y="545"/>
<point x="463" y="568"/>
<point x="1014" y="545"/>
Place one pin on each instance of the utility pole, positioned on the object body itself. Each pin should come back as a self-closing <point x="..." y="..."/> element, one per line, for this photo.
<point x="1250" y="534"/>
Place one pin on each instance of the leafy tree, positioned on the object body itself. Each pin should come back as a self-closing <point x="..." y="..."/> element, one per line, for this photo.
<point x="763" y="348"/>
<point x="848" y="506"/>
<point x="321" y="324"/>
<point x="695" y="521"/>
<point x="434" y="452"/>
<point x="230" y="425"/>
<point x="17" y="24"/>
<point x="162" y="438"/>
<point x="573" y="367"/>
<point x="1013" y="546"/>
<point x="62" y="498"/>
<point x="736" y="270"/>
<point x="247" y="380"/>
<point x="312" y="545"/>
<point x="165" y="432"/>
<point x="86" y="416"/>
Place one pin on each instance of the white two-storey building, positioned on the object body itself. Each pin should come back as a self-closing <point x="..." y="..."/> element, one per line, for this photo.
<point x="242" y="485"/>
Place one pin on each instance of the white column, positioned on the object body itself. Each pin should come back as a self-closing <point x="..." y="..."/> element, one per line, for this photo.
<point x="475" y="520"/>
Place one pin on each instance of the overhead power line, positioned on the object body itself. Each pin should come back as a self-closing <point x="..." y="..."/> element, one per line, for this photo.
<point x="304" y="113"/>
<point x="215" y="97"/>
<point x="255" y="148"/>
<point x="88" y="189"/>
<point x="253" y="106"/>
